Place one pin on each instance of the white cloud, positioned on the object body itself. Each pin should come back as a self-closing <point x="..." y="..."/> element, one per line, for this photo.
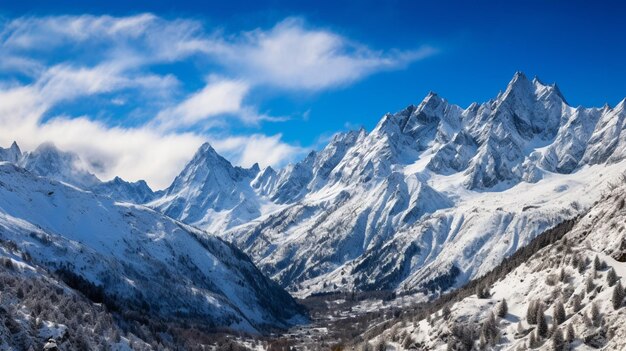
<point x="134" y="153"/>
<point x="292" y="56"/>
<point x="69" y="58"/>
<point x="219" y="96"/>
<point x="257" y="148"/>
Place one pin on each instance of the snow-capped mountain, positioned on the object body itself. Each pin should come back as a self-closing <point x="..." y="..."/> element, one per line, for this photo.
<point x="48" y="161"/>
<point x="11" y="154"/>
<point x="67" y="167"/>
<point x="433" y="196"/>
<point x="211" y="193"/>
<point x="135" y="192"/>
<point x="567" y="295"/>
<point x="137" y="258"/>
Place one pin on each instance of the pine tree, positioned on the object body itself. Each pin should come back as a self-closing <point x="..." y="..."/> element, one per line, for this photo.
<point x="482" y="292"/>
<point x="445" y="312"/>
<point x="542" y="325"/>
<point x="563" y="276"/>
<point x="596" y="263"/>
<point x="582" y="266"/>
<point x="576" y="303"/>
<point x="531" y="312"/>
<point x="559" y="313"/>
<point x="570" y="336"/>
<point x="596" y="317"/>
<point x="589" y="284"/>
<point x="503" y="309"/>
<point x="618" y="296"/>
<point x="558" y="344"/>
<point x="611" y="277"/>
<point x="489" y="330"/>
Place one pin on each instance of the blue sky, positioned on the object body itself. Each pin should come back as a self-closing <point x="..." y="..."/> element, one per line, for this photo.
<point x="136" y="86"/>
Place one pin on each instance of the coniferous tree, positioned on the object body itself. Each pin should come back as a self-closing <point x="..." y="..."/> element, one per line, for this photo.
<point x="563" y="275"/>
<point x="445" y="312"/>
<point x="531" y="312"/>
<point x="582" y="266"/>
<point x="482" y="292"/>
<point x="489" y="330"/>
<point x="570" y="335"/>
<point x="503" y="309"/>
<point x="589" y="284"/>
<point x="611" y="277"/>
<point x="576" y="303"/>
<point x="559" y="313"/>
<point x="558" y="344"/>
<point x="596" y="317"/>
<point x="618" y="296"/>
<point x="532" y="340"/>
<point x="542" y="325"/>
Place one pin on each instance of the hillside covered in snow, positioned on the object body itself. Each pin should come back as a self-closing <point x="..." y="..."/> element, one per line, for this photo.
<point x="134" y="259"/>
<point x="567" y="295"/>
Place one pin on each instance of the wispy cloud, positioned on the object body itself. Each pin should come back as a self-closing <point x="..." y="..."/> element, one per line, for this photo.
<point x="293" y="56"/>
<point x="218" y="97"/>
<point x="52" y="60"/>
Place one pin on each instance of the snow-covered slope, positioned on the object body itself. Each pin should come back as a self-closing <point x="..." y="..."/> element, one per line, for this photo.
<point x="139" y="258"/>
<point x="565" y="273"/>
<point x="36" y="306"/>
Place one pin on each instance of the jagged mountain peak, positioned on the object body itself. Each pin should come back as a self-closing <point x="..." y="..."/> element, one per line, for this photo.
<point x="11" y="154"/>
<point x="208" y="166"/>
<point x="210" y="183"/>
<point x="432" y="98"/>
<point x="255" y="168"/>
<point x="14" y="146"/>
<point x="519" y="87"/>
<point x="206" y="153"/>
<point x="47" y="160"/>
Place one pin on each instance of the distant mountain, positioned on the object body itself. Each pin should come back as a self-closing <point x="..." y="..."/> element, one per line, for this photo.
<point x="435" y="193"/>
<point x="136" y="192"/>
<point x="51" y="162"/>
<point x="135" y="259"/>
<point x="48" y="161"/>
<point x="11" y="154"/>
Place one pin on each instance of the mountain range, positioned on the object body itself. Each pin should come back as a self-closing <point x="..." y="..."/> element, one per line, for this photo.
<point x="430" y="198"/>
<point x="434" y="196"/>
